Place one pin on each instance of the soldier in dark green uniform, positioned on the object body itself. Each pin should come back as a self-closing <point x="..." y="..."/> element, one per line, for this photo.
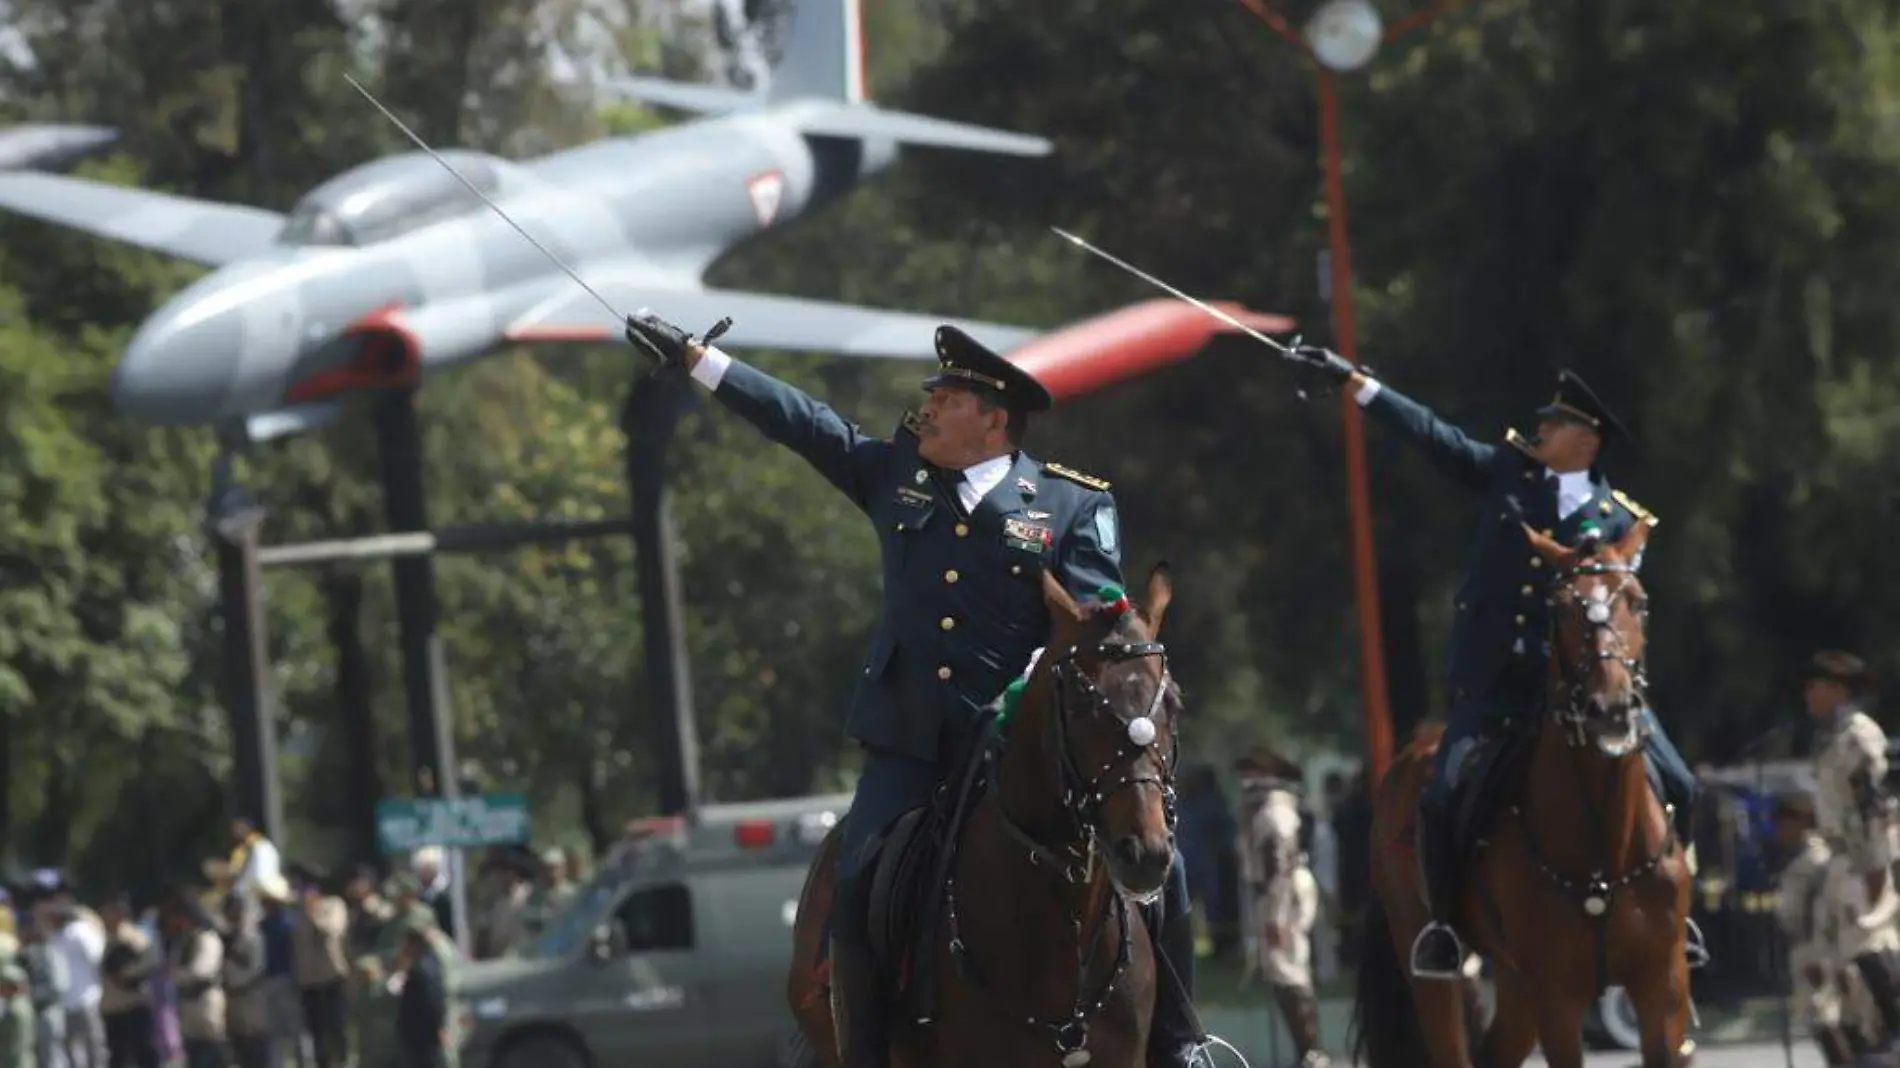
<point x="1499" y="641"/>
<point x="966" y="524"/>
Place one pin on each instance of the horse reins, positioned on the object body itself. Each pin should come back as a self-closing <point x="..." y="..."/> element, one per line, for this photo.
<point x="1596" y="892"/>
<point x="1074" y="861"/>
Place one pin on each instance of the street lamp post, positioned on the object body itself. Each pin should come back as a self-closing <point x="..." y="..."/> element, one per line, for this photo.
<point x="1342" y="37"/>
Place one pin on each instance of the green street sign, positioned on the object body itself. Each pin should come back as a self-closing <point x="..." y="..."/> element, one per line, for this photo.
<point x="404" y="824"/>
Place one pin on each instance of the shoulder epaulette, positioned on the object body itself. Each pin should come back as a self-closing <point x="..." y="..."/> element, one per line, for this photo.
<point x="1642" y="514"/>
<point x="1518" y="442"/>
<point x="909" y="422"/>
<point x="1076" y="476"/>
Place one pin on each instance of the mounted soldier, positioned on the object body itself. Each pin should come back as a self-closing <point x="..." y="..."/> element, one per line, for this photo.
<point x="967" y="524"/>
<point x="1499" y="655"/>
<point x="1856" y="814"/>
<point x="1282" y="894"/>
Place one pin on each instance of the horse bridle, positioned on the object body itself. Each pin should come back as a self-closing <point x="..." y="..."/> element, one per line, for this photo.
<point x="1084" y="795"/>
<point x="1595" y="892"/>
<point x="1571" y="712"/>
<point x="1082" y="800"/>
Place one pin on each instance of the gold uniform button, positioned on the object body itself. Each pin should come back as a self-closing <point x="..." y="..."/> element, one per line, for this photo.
<point x="949" y="576"/>
<point x="1537" y="561"/>
<point x="947" y="623"/>
<point x="944" y="672"/>
<point x="963" y="530"/>
<point x="1526" y="591"/>
<point x="1015" y="569"/>
<point x="1520" y="621"/>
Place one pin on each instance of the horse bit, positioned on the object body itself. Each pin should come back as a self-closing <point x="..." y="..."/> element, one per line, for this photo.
<point x="1082" y="799"/>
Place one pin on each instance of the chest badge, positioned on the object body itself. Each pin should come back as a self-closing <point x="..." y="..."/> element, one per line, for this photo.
<point x="1029" y="537"/>
<point x="1026" y="488"/>
<point x="920" y="477"/>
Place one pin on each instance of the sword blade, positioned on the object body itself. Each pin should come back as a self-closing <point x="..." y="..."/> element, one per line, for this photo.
<point x="496" y="208"/>
<point x="1171" y="290"/>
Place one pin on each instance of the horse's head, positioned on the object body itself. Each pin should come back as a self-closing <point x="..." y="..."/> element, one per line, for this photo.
<point x="1110" y="712"/>
<point x="1599" y="613"/>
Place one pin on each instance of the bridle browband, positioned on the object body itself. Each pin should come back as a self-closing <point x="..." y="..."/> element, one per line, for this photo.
<point x="1073" y="861"/>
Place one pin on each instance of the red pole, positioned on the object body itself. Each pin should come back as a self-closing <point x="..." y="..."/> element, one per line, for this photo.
<point x="1372" y="690"/>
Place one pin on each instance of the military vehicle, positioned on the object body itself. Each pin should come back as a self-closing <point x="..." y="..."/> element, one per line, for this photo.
<point x="675" y="954"/>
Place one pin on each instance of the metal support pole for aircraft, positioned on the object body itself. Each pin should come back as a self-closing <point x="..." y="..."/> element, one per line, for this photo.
<point x="424" y="674"/>
<point x="233" y="520"/>
<point x="651" y="414"/>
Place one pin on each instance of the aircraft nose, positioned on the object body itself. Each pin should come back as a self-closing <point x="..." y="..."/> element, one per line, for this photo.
<point x="180" y="368"/>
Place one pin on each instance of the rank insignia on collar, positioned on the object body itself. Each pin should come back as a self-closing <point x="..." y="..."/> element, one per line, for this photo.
<point x="1026" y="487"/>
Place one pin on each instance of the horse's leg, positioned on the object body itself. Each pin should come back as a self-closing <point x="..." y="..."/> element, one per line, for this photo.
<point x="1560" y="1027"/>
<point x="1441" y="1018"/>
<point x="1513" y="1031"/>
<point x="1662" y="1011"/>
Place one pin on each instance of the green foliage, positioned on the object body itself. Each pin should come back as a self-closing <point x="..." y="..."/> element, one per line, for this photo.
<point x="1645" y="195"/>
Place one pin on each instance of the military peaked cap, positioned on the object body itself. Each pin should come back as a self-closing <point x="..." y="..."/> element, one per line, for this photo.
<point x="1577" y="402"/>
<point x="965" y="363"/>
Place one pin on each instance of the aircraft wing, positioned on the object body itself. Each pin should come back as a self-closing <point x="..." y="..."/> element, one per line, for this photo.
<point x="758" y="321"/>
<point x="201" y="231"/>
<point x="713" y="99"/>
<point x="865" y="122"/>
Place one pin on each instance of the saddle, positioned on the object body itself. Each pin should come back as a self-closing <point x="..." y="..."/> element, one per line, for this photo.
<point x="1491" y="781"/>
<point x="1487" y="786"/>
<point x="910" y="867"/>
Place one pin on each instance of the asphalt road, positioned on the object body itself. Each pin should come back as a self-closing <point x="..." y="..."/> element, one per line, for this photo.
<point x="1740" y="1055"/>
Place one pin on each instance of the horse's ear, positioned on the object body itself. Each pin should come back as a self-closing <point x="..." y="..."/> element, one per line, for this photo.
<point x="1630" y="545"/>
<point x="1061" y="605"/>
<point x="1557" y="556"/>
<point x="1160" y="593"/>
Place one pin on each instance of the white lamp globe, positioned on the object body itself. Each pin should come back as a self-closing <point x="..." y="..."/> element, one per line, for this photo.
<point x="1344" y="34"/>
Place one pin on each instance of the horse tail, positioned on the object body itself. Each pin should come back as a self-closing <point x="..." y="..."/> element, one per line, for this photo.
<point x="1385" y="1030"/>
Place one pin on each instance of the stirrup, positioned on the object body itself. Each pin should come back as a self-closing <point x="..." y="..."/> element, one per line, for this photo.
<point x="1694" y="948"/>
<point x="1456" y="971"/>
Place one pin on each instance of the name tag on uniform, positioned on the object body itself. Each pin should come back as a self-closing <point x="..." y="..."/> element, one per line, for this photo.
<point x="1027" y="536"/>
<point x="913" y="497"/>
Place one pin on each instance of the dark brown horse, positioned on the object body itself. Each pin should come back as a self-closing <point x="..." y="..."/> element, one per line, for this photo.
<point x="1581" y="883"/>
<point x="1038" y="955"/>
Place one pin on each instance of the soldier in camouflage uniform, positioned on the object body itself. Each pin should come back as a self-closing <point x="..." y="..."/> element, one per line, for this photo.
<point x="1803" y="912"/>
<point x="16" y="1018"/>
<point x="1283" y="894"/>
<point x="1856" y="814"/>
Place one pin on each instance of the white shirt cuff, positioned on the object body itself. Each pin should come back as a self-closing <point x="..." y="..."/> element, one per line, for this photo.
<point x="711" y="368"/>
<point x="1366" y="392"/>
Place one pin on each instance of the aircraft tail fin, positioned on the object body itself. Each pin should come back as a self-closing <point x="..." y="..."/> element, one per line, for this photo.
<point x="824" y="52"/>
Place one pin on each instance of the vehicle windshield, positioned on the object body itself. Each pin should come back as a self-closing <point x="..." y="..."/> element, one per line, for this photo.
<point x="567" y="930"/>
